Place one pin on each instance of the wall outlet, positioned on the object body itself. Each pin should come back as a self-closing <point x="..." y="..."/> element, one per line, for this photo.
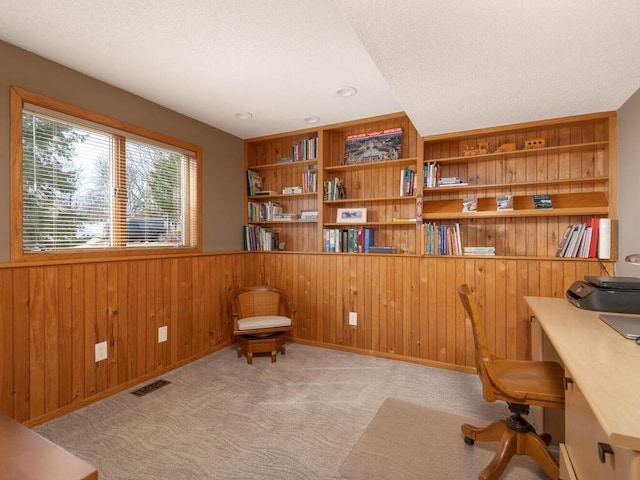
<point x="101" y="351"/>
<point x="162" y="334"/>
<point x="353" y="318"/>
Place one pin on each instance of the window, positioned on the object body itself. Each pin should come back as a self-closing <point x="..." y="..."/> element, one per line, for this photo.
<point x="83" y="183"/>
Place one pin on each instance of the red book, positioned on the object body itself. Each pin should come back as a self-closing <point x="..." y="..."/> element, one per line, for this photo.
<point x="593" y="247"/>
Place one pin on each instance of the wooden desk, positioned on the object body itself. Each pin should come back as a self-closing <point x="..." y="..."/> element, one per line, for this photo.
<point x="25" y="455"/>
<point x="602" y="400"/>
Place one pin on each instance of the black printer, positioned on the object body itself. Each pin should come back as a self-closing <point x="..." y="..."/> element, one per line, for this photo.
<point x="606" y="294"/>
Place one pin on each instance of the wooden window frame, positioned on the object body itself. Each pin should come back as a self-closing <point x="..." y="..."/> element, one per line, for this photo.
<point x="18" y="98"/>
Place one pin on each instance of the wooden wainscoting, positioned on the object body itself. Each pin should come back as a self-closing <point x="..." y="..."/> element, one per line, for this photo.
<point x="407" y="305"/>
<point x="51" y="316"/>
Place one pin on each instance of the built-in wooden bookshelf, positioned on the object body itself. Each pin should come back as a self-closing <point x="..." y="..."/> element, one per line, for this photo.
<point x="375" y="185"/>
<point x="287" y="160"/>
<point x="575" y="167"/>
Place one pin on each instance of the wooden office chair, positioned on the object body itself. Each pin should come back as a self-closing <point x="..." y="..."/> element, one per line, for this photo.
<point x="262" y="315"/>
<point x="520" y="383"/>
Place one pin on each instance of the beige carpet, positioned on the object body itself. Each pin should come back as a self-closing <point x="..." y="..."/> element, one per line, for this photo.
<point x="408" y="441"/>
<point x="296" y="419"/>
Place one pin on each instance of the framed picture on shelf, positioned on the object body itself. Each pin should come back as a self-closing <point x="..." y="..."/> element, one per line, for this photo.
<point x="351" y="215"/>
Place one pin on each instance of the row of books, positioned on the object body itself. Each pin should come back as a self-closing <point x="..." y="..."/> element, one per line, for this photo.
<point x="591" y="239"/>
<point x="256" y="237"/>
<point x="431" y="173"/>
<point x="408" y="182"/>
<point x="442" y="239"/>
<point x="350" y="240"/>
<point x="263" y="212"/>
<point x="334" y="190"/>
<point x="306" y="149"/>
<point x="310" y="181"/>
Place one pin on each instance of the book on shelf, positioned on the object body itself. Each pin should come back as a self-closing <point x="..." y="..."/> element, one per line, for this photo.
<point x="291" y="190"/>
<point x="373" y="146"/>
<point x="404" y="220"/>
<point x="382" y="249"/>
<point x="470" y="205"/>
<point x="265" y="193"/>
<point x="595" y="234"/>
<point x="254" y="183"/>
<point x="504" y="202"/>
<point x="542" y="201"/>
<point x="604" y="238"/>
<point x="479" y="251"/>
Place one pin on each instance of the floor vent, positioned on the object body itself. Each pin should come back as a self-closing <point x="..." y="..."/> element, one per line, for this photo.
<point x="150" y="387"/>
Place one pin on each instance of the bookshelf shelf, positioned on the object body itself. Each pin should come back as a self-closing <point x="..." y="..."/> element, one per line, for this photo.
<point x="342" y="201"/>
<point x="371" y="165"/>
<point x="257" y="198"/>
<point x="278" y="166"/>
<point x="513" y="186"/>
<point x="581" y="147"/>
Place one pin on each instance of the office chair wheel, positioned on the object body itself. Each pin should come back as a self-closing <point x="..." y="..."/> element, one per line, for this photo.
<point x="469" y="441"/>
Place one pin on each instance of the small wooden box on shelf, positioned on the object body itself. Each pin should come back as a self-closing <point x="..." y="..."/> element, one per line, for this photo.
<point x="572" y="159"/>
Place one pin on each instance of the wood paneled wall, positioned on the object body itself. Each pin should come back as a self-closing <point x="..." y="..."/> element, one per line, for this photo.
<point x="52" y="316"/>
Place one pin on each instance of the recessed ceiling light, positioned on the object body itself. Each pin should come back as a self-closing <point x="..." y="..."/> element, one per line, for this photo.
<point x="346" y="91"/>
<point x="312" y="119"/>
<point x="243" y="116"/>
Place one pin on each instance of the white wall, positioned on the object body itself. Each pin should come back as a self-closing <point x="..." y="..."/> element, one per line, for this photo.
<point x="628" y="185"/>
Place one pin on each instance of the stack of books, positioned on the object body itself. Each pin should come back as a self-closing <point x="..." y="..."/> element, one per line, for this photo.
<point x="449" y="182"/>
<point x="308" y="215"/>
<point x="479" y="251"/>
<point x="283" y="217"/>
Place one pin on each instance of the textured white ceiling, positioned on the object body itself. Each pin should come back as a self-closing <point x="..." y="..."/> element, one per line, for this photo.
<point x="450" y="65"/>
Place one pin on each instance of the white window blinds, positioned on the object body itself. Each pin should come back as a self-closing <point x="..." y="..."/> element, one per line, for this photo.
<point x="87" y="187"/>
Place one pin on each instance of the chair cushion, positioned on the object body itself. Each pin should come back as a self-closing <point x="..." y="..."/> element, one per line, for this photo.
<point x="266" y="321"/>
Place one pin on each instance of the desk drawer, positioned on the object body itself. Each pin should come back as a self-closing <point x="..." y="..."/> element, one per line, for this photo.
<point x="583" y="434"/>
